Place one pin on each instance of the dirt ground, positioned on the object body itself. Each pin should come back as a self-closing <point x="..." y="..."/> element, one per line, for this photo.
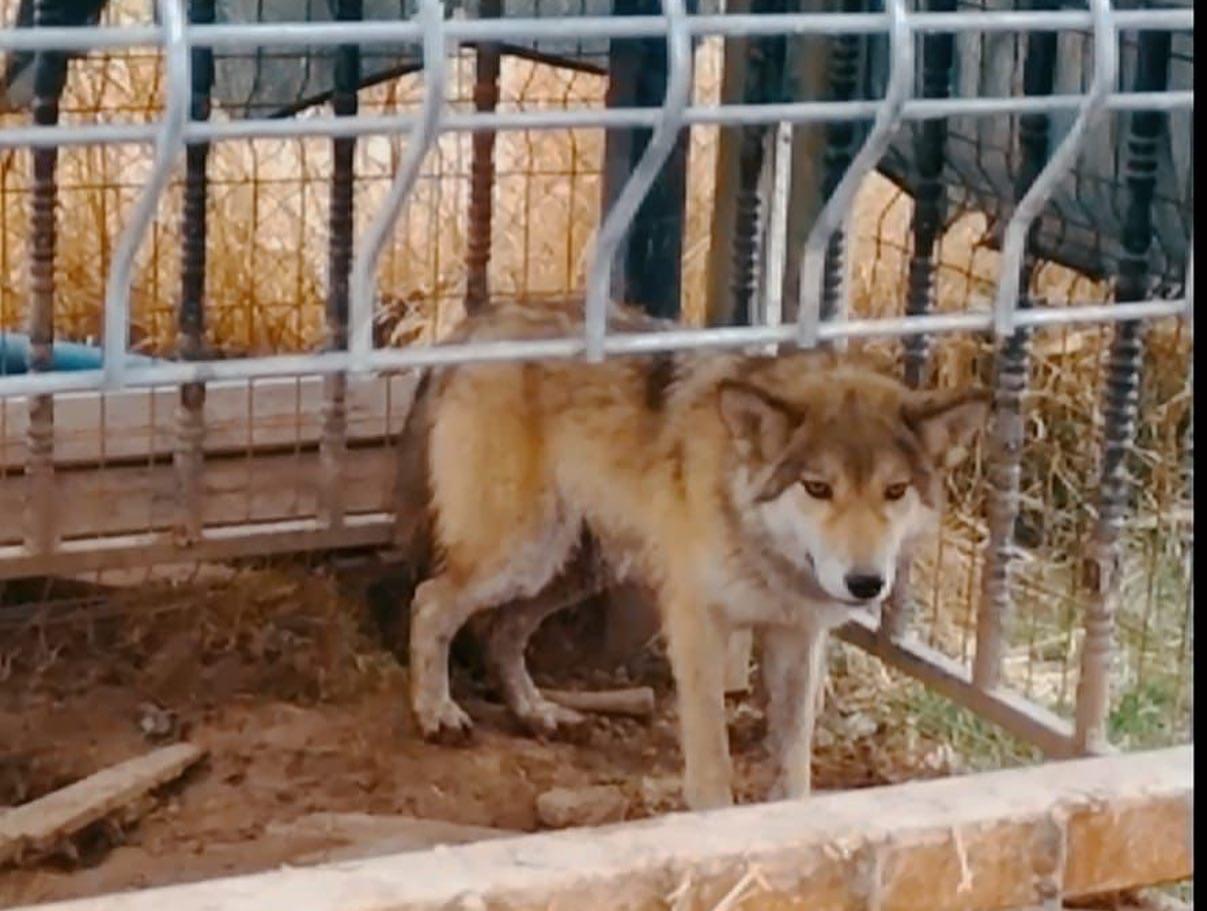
<point x="281" y="676"/>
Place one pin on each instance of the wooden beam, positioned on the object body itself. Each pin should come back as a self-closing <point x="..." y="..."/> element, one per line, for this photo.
<point x="137" y="498"/>
<point x="229" y="542"/>
<point x="999" y="840"/>
<point x="136" y="425"/>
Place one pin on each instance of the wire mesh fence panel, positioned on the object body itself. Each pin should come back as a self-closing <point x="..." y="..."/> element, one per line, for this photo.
<point x="257" y="283"/>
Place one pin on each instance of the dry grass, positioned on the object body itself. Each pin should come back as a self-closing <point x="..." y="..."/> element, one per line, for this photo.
<point x="266" y="275"/>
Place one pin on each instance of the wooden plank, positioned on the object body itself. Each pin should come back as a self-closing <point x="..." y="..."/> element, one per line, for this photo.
<point x="136" y="425"/>
<point x="1027" y="721"/>
<point x="998" y="840"/>
<point x="136" y="498"/>
<point x="40" y="824"/>
<point x="225" y="543"/>
<point x="633" y="702"/>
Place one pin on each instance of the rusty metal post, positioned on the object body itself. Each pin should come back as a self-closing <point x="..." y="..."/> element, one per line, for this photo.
<point x="333" y="443"/>
<point x="189" y="457"/>
<point x="648" y="268"/>
<point x="763" y="84"/>
<point x="841" y="138"/>
<point x="482" y="170"/>
<point x="50" y="76"/>
<point x="1120" y="400"/>
<point x="930" y="142"/>
<point x="1011" y="367"/>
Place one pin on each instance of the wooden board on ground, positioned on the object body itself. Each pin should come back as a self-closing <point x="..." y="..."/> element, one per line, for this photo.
<point x="40" y="824"/>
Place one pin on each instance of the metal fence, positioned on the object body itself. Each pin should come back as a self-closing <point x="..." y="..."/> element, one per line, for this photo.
<point x="965" y="108"/>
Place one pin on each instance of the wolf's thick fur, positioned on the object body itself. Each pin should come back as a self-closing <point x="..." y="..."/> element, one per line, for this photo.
<point x="746" y="491"/>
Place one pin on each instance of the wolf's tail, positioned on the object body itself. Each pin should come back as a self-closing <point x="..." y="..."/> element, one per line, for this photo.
<point x="412" y="486"/>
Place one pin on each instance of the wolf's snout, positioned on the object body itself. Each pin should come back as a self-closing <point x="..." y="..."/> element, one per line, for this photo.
<point x="864" y="586"/>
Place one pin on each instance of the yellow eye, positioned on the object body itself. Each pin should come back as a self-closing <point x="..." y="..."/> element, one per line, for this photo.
<point x="819" y="490"/>
<point x="895" y="491"/>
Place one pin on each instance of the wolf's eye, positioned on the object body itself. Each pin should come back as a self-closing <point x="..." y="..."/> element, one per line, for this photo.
<point x="819" y="490"/>
<point x="895" y="491"/>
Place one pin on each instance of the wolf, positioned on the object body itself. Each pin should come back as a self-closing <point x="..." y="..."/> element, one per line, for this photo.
<point x="746" y="491"/>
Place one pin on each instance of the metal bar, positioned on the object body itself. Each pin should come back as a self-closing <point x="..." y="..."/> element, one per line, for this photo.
<point x="624" y="209"/>
<point x="765" y="64"/>
<point x="743" y="277"/>
<point x="926" y="225"/>
<point x="482" y="171"/>
<point x="1009" y="383"/>
<point x="1120" y="402"/>
<point x="1106" y="72"/>
<point x="845" y="56"/>
<point x="1031" y="723"/>
<point x="647" y="259"/>
<point x="168" y="144"/>
<point x="364" y="267"/>
<point x="930" y="143"/>
<point x="731" y="115"/>
<point x="50" y="75"/>
<point x="888" y="116"/>
<point x="777" y="228"/>
<point x="736" y="59"/>
<point x="620" y="343"/>
<point x="805" y="77"/>
<point x="243" y="36"/>
<point x="189" y="457"/>
<point x="334" y="439"/>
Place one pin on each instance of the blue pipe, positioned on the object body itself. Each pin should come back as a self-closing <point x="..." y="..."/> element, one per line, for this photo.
<point x="14" y="355"/>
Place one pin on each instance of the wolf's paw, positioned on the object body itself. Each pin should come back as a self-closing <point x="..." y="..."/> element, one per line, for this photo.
<point x="444" y="722"/>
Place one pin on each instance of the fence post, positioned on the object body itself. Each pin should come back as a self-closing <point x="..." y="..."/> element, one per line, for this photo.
<point x="1010" y="381"/>
<point x="333" y="444"/>
<point x="648" y="268"/>
<point x="50" y="76"/>
<point x="482" y="170"/>
<point x="1120" y="400"/>
<point x="845" y="84"/>
<point x="762" y="83"/>
<point x="930" y="143"/>
<point x="189" y="458"/>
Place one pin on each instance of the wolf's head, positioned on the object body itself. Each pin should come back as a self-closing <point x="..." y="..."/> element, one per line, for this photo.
<point x="835" y="479"/>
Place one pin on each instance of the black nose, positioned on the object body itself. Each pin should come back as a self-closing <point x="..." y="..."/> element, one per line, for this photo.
<point x="864" y="586"/>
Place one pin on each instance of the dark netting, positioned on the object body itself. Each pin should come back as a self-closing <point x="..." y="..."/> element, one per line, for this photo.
<point x="1083" y="223"/>
<point x="284" y="79"/>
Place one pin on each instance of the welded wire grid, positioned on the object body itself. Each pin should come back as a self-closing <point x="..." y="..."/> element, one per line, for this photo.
<point x="267" y="206"/>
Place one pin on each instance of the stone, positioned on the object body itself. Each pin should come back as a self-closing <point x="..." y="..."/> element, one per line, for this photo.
<point x="563" y="808"/>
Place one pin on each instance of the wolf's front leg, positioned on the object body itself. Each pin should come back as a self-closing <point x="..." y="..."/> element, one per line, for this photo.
<point x="438" y="610"/>
<point x="794" y="667"/>
<point x="696" y="640"/>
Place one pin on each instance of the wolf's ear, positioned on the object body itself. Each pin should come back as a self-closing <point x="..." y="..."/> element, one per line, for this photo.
<point x="759" y="423"/>
<point x="946" y="421"/>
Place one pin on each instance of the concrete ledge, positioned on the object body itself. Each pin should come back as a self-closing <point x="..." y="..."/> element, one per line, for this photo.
<point x="997" y="840"/>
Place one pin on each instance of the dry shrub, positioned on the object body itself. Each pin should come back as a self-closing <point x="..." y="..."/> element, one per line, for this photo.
<point x="276" y="633"/>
